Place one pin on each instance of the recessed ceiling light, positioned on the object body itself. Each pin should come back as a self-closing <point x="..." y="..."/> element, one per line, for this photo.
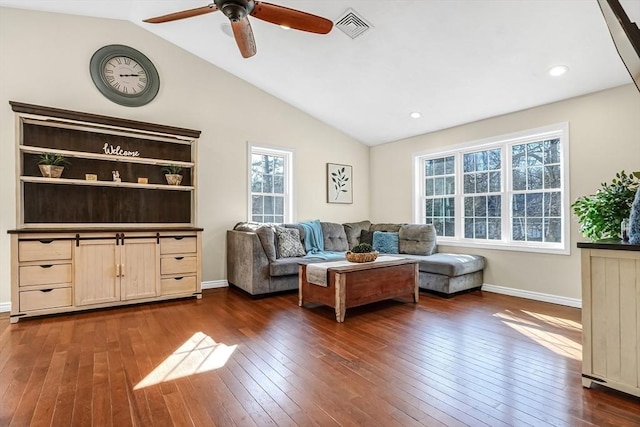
<point x="415" y="115"/>
<point x="558" y="70"/>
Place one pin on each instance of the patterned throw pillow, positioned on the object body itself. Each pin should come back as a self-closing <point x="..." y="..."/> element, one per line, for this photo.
<point x="288" y="242"/>
<point x="385" y="242"/>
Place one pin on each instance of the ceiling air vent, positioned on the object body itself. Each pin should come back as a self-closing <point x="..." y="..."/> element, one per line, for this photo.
<point x="353" y="24"/>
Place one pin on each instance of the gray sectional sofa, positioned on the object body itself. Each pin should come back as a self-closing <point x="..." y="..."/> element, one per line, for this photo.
<point x="254" y="263"/>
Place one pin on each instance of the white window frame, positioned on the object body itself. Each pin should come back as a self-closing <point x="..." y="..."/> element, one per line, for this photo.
<point x="287" y="154"/>
<point x="505" y="142"/>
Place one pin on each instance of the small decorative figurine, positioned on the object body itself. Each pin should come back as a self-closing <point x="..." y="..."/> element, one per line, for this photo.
<point x="116" y="176"/>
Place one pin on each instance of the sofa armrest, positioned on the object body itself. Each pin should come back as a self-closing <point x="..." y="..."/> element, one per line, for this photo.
<point x="247" y="263"/>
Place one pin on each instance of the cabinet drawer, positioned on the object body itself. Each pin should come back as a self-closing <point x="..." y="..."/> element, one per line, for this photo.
<point x="178" y="285"/>
<point x="49" y="298"/>
<point x="178" y="265"/>
<point x="180" y="245"/>
<point x="45" y="274"/>
<point x="44" y="250"/>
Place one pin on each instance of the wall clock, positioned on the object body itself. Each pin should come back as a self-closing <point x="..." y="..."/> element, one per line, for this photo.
<point x="124" y="75"/>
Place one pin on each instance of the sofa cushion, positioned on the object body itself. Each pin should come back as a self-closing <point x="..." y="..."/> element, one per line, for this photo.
<point x="284" y="266"/>
<point x="393" y="228"/>
<point x="335" y="239"/>
<point x="288" y="243"/>
<point x="385" y="242"/>
<point x="353" y="230"/>
<point x="451" y="265"/>
<point x="265" y="234"/>
<point x="417" y="239"/>
<point x="367" y="237"/>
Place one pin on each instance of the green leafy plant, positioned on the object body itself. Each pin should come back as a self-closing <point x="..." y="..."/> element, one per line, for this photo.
<point x="172" y="169"/>
<point x="362" y="248"/>
<point x="52" y="159"/>
<point x="600" y="214"/>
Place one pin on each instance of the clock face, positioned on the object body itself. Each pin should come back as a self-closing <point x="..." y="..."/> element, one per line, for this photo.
<point x="124" y="75"/>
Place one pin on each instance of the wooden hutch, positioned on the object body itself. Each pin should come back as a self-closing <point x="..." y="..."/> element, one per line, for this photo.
<point x="88" y="239"/>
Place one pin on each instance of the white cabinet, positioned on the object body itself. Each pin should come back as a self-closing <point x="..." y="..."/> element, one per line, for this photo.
<point x="611" y="316"/>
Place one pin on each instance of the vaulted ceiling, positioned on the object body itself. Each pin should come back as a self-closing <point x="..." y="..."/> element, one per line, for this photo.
<point x="454" y="61"/>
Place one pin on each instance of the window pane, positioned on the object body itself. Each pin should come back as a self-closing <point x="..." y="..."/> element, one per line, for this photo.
<point x="481" y="161"/>
<point x="278" y="165"/>
<point x="256" y="184"/>
<point x="279" y="219"/>
<point x="268" y="218"/>
<point x="552" y="176"/>
<point x="438" y="167"/>
<point x="552" y="151"/>
<point x="480" y="206"/>
<point x="494" y="231"/>
<point x="267" y="185"/>
<point x="278" y="184"/>
<point x="268" y="205"/>
<point x="468" y="206"/>
<point x="469" y="163"/>
<point x="534" y="204"/>
<point x="519" y="179"/>
<point x="469" y="184"/>
<point x="534" y="230"/>
<point x="552" y="204"/>
<point x="534" y="154"/>
<point x="449" y="227"/>
<point x="480" y="229"/>
<point x="449" y="206"/>
<point x="482" y="185"/>
<point x="438" y="187"/>
<point x="494" y="182"/>
<point x="494" y="206"/>
<point x="428" y="167"/>
<point x="518" y="205"/>
<point x="494" y="159"/>
<point x="257" y="218"/>
<point x="553" y="230"/>
<point x="518" y="156"/>
<point x="428" y="207"/>
<point x="534" y="178"/>
<point x="449" y="165"/>
<point x="279" y="205"/>
<point x="438" y="207"/>
<point x="256" y="204"/>
<point x="468" y="228"/>
<point x="450" y="185"/>
<point x="438" y="223"/>
<point x="428" y="187"/>
<point x="517" y="230"/>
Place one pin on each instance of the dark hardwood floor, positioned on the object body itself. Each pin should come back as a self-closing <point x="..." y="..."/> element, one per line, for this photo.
<point x="479" y="359"/>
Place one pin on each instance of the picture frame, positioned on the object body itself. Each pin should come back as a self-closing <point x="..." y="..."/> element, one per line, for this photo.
<point x="339" y="183"/>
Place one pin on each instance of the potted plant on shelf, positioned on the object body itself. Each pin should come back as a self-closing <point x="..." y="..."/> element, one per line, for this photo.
<point x="600" y="215"/>
<point x="172" y="174"/>
<point x="51" y="164"/>
<point x="362" y="253"/>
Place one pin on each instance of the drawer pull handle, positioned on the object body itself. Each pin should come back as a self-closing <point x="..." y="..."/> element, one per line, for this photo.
<point x="46" y="290"/>
<point x="178" y="278"/>
<point x="179" y="258"/>
<point x="45" y="241"/>
<point x="46" y="266"/>
<point x="179" y="238"/>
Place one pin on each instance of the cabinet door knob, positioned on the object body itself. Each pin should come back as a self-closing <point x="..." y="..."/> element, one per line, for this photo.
<point x="179" y="238"/>
<point x="179" y="258"/>
<point x="46" y="290"/>
<point x="45" y="241"/>
<point x="46" y="266"/>
<point x="121" y="270"/>
<point x="178" y="278"/>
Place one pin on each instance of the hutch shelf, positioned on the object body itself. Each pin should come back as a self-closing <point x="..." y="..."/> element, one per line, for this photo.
<point x="111" y="230"/>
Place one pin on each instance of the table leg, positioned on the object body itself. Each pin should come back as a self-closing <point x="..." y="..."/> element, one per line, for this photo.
<point x="340" y="297"/>
<point x="301" y="272"/>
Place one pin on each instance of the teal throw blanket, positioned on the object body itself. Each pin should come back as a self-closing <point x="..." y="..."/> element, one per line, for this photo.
<point x="314" y="242"/>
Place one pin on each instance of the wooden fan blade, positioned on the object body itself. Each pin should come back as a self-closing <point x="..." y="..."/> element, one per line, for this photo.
<point x="291" y="18"/>
<point x="244" y="37"/>
<point x="183" y="14"/>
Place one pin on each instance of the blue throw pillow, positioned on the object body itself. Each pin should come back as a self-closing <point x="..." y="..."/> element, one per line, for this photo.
<point x="385" y="242"/>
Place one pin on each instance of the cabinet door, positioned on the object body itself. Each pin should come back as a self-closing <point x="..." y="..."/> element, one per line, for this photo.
<point x="140" y="268"/>
<point x="97" y="272"/>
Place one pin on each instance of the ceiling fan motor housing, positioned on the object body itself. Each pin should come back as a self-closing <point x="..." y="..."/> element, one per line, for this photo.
<point x="235" y="10"/>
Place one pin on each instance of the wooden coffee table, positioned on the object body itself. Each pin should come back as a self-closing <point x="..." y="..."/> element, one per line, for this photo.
<point x="358" y="284"/>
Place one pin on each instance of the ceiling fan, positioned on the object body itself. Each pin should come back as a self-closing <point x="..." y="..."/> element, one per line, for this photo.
<point x="238" y="10"/>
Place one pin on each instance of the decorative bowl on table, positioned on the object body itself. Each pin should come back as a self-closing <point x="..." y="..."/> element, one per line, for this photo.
<point x="361" y="253"/>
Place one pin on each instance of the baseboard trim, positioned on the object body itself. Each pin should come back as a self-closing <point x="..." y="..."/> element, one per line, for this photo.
<point x="538" y="296"/>
<point x="5" y="307"/>
<point x="213" y="284"/>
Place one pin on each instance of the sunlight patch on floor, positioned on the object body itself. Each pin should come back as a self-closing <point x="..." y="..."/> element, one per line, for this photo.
<point x="553" y="341"/>
<point x="198" y="354"/>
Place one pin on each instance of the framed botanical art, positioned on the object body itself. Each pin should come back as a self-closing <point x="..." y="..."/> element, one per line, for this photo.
<point x="339" y="183"/>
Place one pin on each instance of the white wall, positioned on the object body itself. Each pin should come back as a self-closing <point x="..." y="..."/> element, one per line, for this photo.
<point x="604" y="131"/>
<point x="44" y="60"/>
